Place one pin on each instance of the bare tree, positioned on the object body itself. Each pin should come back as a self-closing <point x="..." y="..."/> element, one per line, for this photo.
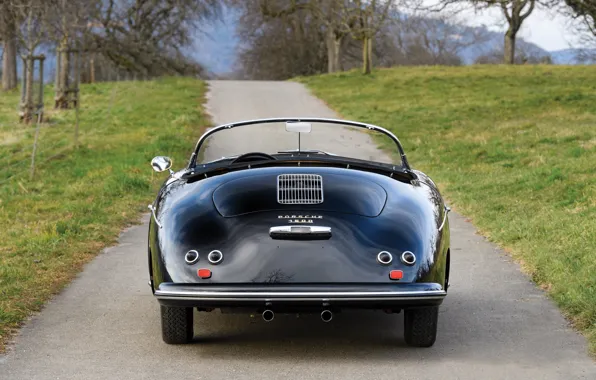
<point x="149" y="36"/>
<point x="69" y="22"/>
<point x="293" y="43"/>
<point x="431" y="39"/>
<point x="584" y="10"/>
<point x="32" y="33"/>
<point x="583" y="14"/>
<point x="280" y="47"/>
<point x="515" y="13"/>
<point x="335" y="17"/>
<point x="8" y="36"/>
<point x="370" y="17"/>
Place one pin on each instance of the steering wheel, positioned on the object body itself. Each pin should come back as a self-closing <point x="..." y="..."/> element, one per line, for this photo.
<point x="253" y="156"/>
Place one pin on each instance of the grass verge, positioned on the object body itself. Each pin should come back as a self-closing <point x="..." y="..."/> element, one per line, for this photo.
<point x="513" y="147"/>
<point x="79" y="200"/>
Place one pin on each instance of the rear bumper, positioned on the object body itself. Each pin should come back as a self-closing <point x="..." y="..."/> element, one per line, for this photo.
<point x="345" y="296"/>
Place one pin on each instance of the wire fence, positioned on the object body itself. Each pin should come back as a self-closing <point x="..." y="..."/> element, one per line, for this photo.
<point x="34" y="151"/>
<point x="25" y="148"/>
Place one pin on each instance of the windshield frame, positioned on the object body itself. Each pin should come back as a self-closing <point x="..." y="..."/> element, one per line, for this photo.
<point x="193" y="158"/>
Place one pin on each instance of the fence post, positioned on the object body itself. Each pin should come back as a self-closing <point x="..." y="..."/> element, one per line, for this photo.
<point x="92" y="68"/>
<point x="24" y="80"/>
<point x="57" y="70"/>
<point x="77" y="72"/>
<point x="40" y="107"/>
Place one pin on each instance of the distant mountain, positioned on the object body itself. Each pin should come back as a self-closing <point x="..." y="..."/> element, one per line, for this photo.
<point x="494" y="41"/>
<point x="570" y="56"/>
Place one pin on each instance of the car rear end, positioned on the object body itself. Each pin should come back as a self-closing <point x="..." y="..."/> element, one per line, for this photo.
<point x="278" y="240"/>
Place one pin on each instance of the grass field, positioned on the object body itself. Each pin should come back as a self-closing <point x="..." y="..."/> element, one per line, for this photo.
<point x="513" y="148"/>
<point x="80" y="200"/>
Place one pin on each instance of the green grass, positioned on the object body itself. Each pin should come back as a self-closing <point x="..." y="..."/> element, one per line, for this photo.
<point x="512" y="147"/>
<point x="80" y="200"/>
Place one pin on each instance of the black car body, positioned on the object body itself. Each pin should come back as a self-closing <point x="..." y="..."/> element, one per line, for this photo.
<point x="298" y="231"/>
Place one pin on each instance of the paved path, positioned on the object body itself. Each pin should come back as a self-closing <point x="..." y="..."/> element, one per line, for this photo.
<point x="493" y="325"/>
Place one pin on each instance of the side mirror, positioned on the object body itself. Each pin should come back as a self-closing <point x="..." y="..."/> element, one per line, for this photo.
<point x="298" y="126"/>
<point x="161" y="163"/>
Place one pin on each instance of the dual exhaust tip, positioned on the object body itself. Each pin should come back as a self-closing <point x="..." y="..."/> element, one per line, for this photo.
<point x="214" y="257"/>
<point x="326" y="315"/>
<point x="386" y="258"/>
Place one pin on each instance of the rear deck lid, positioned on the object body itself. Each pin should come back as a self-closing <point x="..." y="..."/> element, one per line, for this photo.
<point x="309" y="193"/>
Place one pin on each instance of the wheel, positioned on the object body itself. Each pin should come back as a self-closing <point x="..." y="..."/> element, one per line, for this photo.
<point x="420" y="326"/>
<point x="176" y="324"/>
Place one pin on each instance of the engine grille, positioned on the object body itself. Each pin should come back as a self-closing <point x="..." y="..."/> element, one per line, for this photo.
<point x="299" y="189"/>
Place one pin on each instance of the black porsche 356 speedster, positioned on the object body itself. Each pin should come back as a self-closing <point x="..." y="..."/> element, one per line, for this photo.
<point x="299" y="230"/>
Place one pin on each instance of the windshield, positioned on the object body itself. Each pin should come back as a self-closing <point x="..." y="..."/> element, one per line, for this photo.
<point x="323" y="138"/>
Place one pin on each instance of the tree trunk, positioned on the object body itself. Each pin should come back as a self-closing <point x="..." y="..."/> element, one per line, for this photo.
<point x="370" y="54"/>
<point x="27" y="106"/>
<point x="337" y="43"/>
<point x="9" y="59"/>
<point x="333" y="45"/>
<point x="61" y="100"/>
<point x="509" y="51"/>
<point x="366" y="55"/>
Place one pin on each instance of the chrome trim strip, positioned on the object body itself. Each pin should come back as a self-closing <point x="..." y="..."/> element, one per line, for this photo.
<point x="298" y="296"/>
<point x="154" y="216"/>
<point x="400" y="149"/>
<point x="313" y="151"/>
<point x="349" y="299"/>
<point x="447" y="210"/>
<point x="299" y="230"/>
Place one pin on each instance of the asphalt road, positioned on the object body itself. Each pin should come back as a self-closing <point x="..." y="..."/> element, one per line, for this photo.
<point x="494" y="323"/>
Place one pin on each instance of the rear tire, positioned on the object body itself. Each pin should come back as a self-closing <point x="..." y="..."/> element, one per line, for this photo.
<point x="176" y="324"/>
<point x="420" y="326"/>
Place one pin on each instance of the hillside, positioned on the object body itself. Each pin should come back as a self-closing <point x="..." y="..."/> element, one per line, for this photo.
<point x="79" y="200"/>
<point x="512" y="148"/>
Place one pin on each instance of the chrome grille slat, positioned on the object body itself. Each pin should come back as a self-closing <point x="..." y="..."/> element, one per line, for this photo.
<point x="299" y="189"/>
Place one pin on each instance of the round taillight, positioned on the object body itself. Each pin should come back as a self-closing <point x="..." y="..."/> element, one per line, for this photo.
<point x="408" y="258"/>
<point x="215" y="257"/>
<point x="384" y="258"/>
<point x="191" y="257"/>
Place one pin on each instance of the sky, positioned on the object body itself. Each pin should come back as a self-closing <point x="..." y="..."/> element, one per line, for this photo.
<point x="547" y="29"/>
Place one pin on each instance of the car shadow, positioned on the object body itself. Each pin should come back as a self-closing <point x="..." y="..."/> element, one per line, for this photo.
<point x="304" y="336"/>
<point x="468" y="330"/>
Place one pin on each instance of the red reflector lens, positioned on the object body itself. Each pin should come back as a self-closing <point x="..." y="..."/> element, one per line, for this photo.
<point x="204" y="273"/>
<point x="396" y="275"/>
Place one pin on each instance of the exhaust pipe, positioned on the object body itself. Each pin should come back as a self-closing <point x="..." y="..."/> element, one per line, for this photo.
<point x="268" y="315"/>
<point x="326" y="316"/>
